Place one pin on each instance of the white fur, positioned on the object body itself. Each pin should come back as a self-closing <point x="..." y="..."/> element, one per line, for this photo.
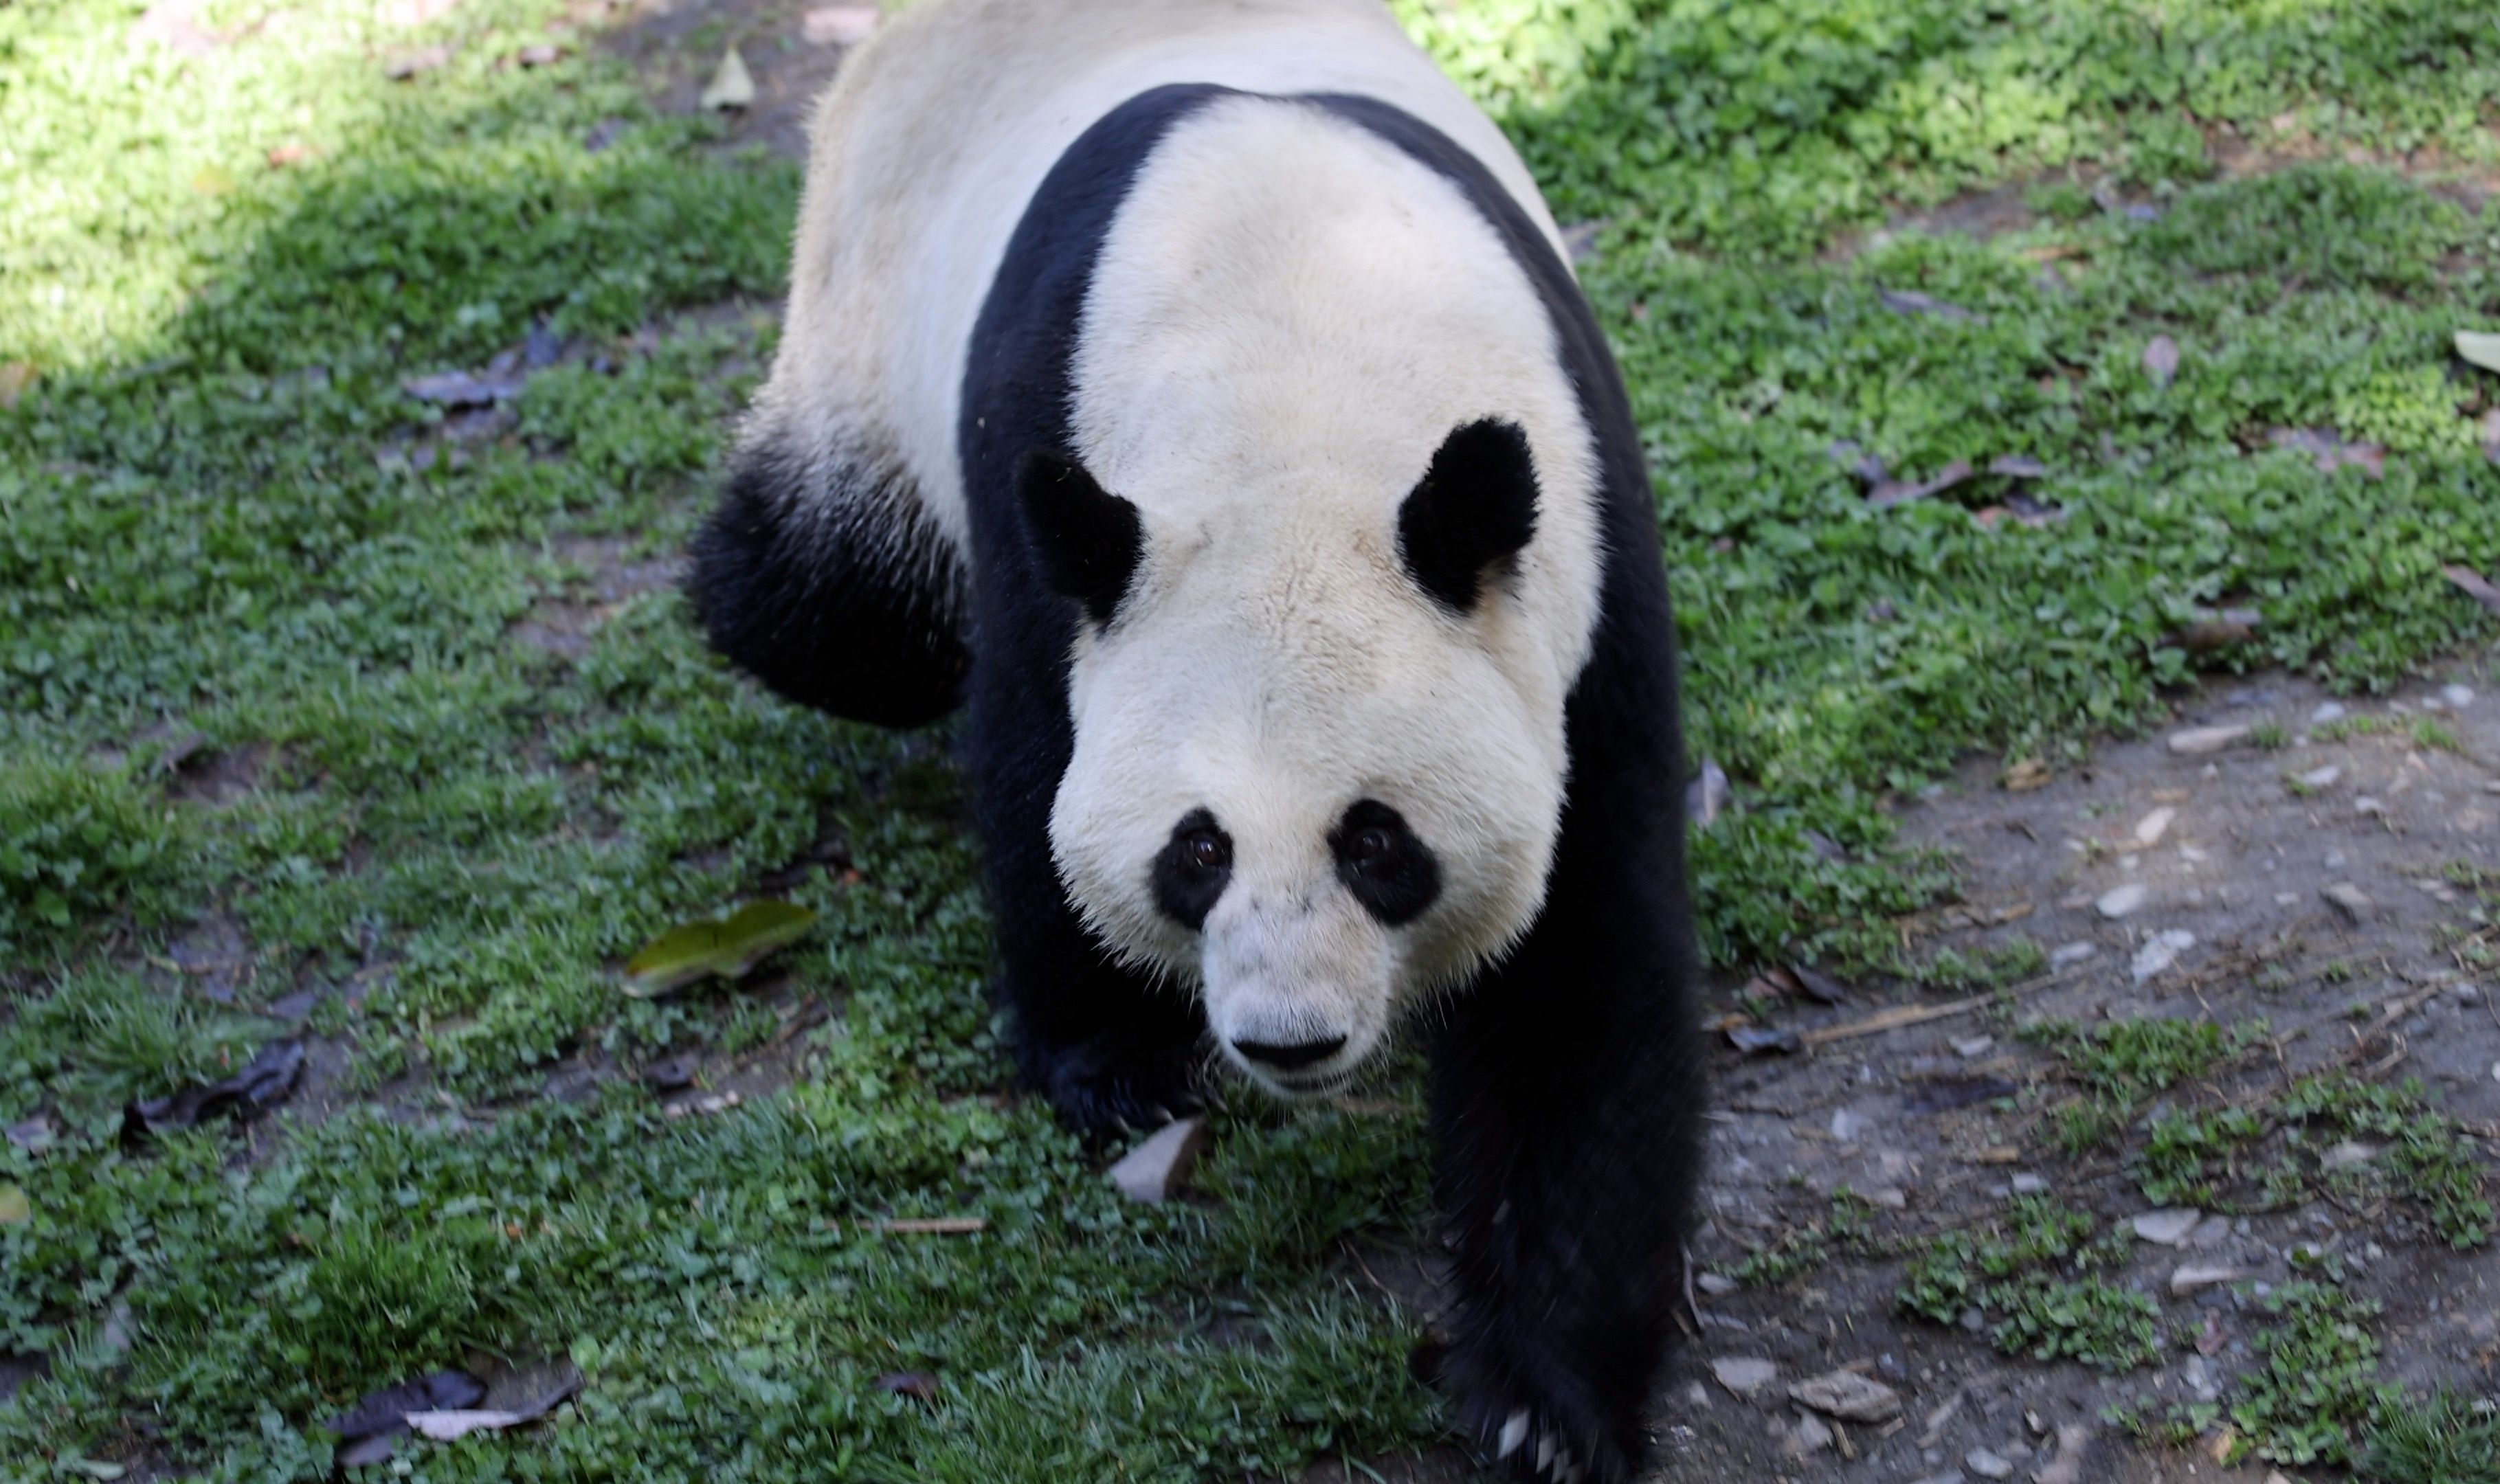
<point x="1288" y="318"/>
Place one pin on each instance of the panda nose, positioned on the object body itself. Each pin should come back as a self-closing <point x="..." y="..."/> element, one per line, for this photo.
<point x="1290" y="1056"/>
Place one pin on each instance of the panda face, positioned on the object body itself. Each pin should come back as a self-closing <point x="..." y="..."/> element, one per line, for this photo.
<point x="1304" y="781"/>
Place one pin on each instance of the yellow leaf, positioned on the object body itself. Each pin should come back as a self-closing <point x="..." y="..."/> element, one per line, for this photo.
<point x="15" y="1210"/>
<point x="732" y="87"/>
<point x="729" y="950"/>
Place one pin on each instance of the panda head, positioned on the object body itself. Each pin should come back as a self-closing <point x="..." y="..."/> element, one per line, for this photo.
<point x="1317" y="771"/>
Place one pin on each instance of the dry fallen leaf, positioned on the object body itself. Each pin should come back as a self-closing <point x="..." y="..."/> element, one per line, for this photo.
<point x="15" y="1210"/>
<point x="1901" y="491"/>
<point x="270" y="1076"/>
<point x="15" y="378"/>
<point x="733" y="87"/>
<point x="2474" y="586"/>
<point x="2025" y="775"/>
<point x="1909" y="301"/>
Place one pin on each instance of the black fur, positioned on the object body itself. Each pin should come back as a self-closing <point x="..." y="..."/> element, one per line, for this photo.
<point x="1388" y="870"/>
<point x="1193" y="869"/>
<point x="809" y="589"/>
<point x="1566" y="1082"/>
<point x="1474" y="507"/>
<point x="1112" y="1049"/>
<point x="1088" y="541"/>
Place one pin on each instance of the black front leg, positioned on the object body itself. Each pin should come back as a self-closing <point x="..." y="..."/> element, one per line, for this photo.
<point x="1566" y="1100"/>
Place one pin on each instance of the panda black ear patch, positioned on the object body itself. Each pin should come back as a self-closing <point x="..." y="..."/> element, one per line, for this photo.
<point x="1476" y="506"/>
<point x="1087" y="540"/>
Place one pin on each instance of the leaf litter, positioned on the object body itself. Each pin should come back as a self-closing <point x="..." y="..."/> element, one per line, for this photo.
<point x="712" y="948"/>
<point x="268" y="1078"/>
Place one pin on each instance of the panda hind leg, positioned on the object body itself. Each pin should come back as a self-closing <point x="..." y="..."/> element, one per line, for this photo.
<point x="822" y="576"/>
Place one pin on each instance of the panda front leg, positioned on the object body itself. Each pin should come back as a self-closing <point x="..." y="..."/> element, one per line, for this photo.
<point x="1114" y="1051"/>
<point x="1566" y="1100"/>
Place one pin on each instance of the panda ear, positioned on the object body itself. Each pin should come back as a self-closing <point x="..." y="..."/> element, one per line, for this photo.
<point x="1476" y="506"/>
<point x="1087" y="540"/>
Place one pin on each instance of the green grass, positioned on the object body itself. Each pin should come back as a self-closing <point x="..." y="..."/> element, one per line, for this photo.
<point x="267" y="660"/>
<point x="2041" y="1284"/>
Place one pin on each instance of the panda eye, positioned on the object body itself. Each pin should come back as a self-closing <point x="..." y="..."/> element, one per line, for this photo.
<point x="1193" y="869"/>
<point x="1381" y="860"/>
<point x="1205" y="850"/>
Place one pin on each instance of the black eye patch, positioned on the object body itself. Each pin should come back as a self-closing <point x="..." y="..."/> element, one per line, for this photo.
<point x="1379" y="858"/>
<point x="1193" y="869"/>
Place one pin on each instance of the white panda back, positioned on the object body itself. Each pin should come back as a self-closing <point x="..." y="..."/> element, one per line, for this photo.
<point x="934" y="138"/>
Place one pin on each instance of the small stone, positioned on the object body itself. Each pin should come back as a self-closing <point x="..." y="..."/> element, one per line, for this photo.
<point x="2322" y="777"/>
<point x="1743" y="1375"/>
<point x="2457" y="696"/>
<point x="1812" y="1435"/>
<point x="1847" y="1124"/>
<point x="2067" y="955"/>
<point x="1890" y="1198"/>
<point x="1954" y="1476"/>
<point x="1696" y="1396"/>
<point x="1848" y="1397"/>
<point x="1973" y="1320"/>
<point x="2187" y="1280"/>
<point x="2210" y="1233"/>
<point x="2345" y="1155"/>
<point x="2197" y="741"/>
<point x="2160" y="951"/>
<point x="2365" y="804"/>
<point x="2347" y="898"/>
<point x="2151" y="827"/>
<point x="2167" y="1227"/>
<point x="2328" y="711"/>
<point x="2028" y="1184"/>
<point x="1154" y="1169"/>
<point x="838" y="25"/>
<point x="2118" y="901"/>
<point x="1972" y="1047"/>
<point x="2334" y="860"/>
<point x="2198" y="1372"/>
<point x="1717" y="1285"/>
<point x="1987" y="1465"/>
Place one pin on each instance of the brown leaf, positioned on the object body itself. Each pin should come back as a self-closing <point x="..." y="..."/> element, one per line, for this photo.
<point x="1891" y="492"/>
<point x="411" y="64"/>
<point x="2018" y="466"/>
<point x="2162" y="360"/>
<point x="1820" y="986"/>
<point x="2330" y="450"/>
<point x="2474" y="584"/>
<point x="2025" y="775"/>
<point x="1909" y="301"/>
<point x="17" y="378"/>
<point x="918" y="1385"/>
<point x="291" y="152"/>
<point x="1754" y="1040"/>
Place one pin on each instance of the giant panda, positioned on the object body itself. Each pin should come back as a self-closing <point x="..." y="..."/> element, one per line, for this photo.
<point x="1195" y="393"/>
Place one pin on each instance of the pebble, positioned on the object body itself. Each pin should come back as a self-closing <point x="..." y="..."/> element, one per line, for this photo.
<point x="2196" y="740"/>
<point x="2198" y="1372"/>
<point x="2028" y="1184"/>
<point x="1847" y="1124"/>
<point x="2345" y="1155"/>
<point x="1954" y="1476"/>
<point x="2334" y="860"/>
<point x="1744" y="1376"/>
<point x="2322" y="777"/>
<point x="1154" y="1169"/>
<point x="1987" y="1465"/>
<point x="2070" y="954"/>
<point x="1812" y="1435"/>
<point x="2160" y="951"/>
<point x="1717" y="1285"/>
<point x="2151" y="827"/>
<point x="2187" y="1280"/>
<point x="2118" y="901"/>
<point x="1848" y="1397"/>
<point x="2457" y="696"/>
<point x="1890" y="1196"/>
<point x="2211" y="1232"/>
<point x="2167" y="1227"/>
<point x="2328" y="711"/>
<point x="2351" y="899"/>
<point x="1971" y="1048"/>
<point x="2365" y="804"/>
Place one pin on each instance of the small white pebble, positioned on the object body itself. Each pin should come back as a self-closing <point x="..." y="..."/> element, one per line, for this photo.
<point x="2328" y="711"/>
<point x="2457" y="696"/>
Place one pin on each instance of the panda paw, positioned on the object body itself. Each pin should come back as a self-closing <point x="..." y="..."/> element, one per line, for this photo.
<point x="1120" y="1090"/>
<point x="1542" y="1434"/>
